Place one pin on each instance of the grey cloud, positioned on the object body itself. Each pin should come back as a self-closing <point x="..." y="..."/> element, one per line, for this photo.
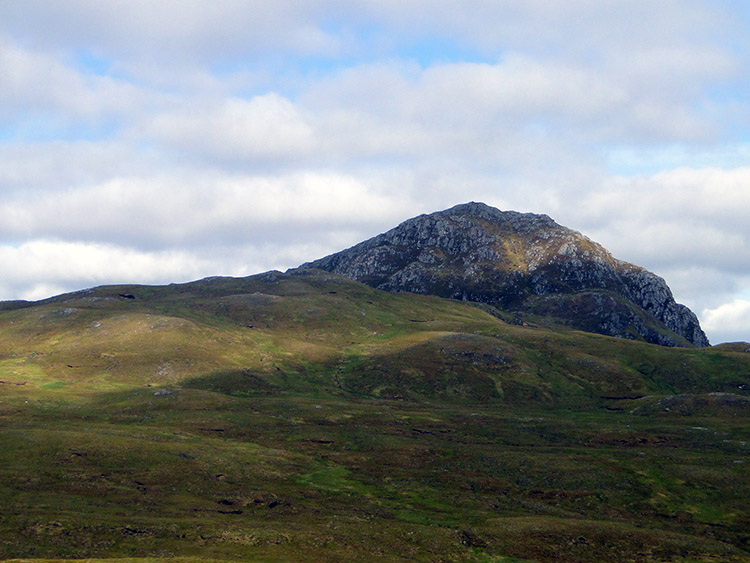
<point x="207" y="32"/>
<point x="577" y="29"/>
<point x="173" y="30"/>
<point x="36" y="168"/>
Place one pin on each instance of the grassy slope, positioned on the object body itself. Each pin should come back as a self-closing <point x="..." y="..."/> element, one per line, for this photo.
<point x="309" y="417"/>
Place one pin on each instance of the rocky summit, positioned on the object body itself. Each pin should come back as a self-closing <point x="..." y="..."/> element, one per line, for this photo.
<point x="520" y="263"/>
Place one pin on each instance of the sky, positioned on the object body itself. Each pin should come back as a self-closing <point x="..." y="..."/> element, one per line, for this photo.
<point x="157" y="142"/>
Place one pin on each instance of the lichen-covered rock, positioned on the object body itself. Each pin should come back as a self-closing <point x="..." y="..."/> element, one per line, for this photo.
<point x="520" y="262"/>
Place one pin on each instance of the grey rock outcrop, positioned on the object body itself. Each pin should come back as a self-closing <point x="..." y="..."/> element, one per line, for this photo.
<point x="520" y="262"/>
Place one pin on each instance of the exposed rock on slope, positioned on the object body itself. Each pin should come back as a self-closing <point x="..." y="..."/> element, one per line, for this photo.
<point x="520" y="262"/>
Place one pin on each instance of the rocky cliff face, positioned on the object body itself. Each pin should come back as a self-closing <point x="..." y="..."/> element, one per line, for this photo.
<point x="520" y="262"/>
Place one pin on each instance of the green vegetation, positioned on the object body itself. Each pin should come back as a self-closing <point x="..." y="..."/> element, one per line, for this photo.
<point x="307" y="417"/>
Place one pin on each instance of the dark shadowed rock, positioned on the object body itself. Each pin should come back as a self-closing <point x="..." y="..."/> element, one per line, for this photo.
<point x="520" y="262"/>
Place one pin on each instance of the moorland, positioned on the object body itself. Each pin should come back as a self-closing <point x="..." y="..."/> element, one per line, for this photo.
<point x="307" y="417"/>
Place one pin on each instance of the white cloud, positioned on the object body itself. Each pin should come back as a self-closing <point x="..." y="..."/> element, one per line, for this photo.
<point x="42" y="88"/>
<point x="201" y="208"/>
<point x="517" y="113"/>
<point x="728" y="322"/>
<point x="695" y="212"/>
<point x="688" y="225"/>
<point x="41" y="268"/>
<point x="264" y="127"/>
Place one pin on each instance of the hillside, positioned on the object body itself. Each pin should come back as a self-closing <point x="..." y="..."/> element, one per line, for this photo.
<point x="295" y="331"/>
<point x="306" y="416"/>
<point x="523" y="263"/>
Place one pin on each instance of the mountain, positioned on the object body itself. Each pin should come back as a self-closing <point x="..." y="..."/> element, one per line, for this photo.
<point x="521" y="263"/>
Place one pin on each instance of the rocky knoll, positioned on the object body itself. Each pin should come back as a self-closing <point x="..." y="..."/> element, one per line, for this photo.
<point x="524" y="263"/>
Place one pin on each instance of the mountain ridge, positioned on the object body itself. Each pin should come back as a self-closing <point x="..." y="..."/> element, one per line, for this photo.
<point x="524" y="263"/>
